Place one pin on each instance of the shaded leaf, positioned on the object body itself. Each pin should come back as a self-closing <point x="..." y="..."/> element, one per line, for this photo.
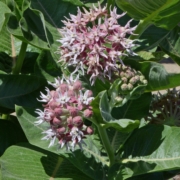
<point x="46" y="67"/>
<point x="10" y="134"/>
<point x="150" y="149"/>
<point x="28" y="162"/>
<point x="20" y="89"/>
<point x="123" y="125"/>
<point x="171" y="43"/>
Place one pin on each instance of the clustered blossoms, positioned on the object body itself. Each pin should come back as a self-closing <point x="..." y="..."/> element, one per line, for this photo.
<point x="165" y="108"/>
<point x="64" y="110"/>
<point x="130" y="80"/>
<point x="93" y="42"/>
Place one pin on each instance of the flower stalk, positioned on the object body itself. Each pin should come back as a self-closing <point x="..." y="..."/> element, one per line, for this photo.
<point x="20" y="60"/>
<point x="106" y="143"/>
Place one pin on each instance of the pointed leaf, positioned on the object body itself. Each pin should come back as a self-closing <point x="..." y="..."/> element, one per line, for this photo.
<point x="150" y="149"/>
<point x="160" y="13"/>
<point x="171" y="43"/>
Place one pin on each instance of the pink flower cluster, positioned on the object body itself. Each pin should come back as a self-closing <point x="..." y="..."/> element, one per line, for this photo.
<point x="64" y="110"/>
<point x="93" y="42"/>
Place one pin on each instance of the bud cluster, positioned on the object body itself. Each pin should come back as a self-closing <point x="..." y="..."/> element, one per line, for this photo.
<point x="165" y="108"/>
<point x="64" y="110"/>
<point x="130" y="78"/>
<point x="93" y="42"/>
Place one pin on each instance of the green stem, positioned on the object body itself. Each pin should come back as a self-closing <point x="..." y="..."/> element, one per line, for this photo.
<point x="106" y="143"/>
<point x="5" y="116"/>
<point x="142" y="26"/>
<point x="19" y="62"/>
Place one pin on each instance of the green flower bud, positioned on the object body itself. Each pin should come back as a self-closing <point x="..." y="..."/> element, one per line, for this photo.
<point x="145" y="81"/>
<point x="118" y="99"/>
<point x="133" y="80"/>
<point x="124" y="79"/>
<point x="124" y="87"/>
<point x="130" y="86"/>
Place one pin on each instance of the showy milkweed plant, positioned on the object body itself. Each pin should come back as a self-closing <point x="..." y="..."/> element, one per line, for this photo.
<point x="80" y="90"/>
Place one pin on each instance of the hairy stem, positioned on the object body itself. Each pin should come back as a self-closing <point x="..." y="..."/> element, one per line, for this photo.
<point x="106" y="143"/>
<point x="141" y="27"/>
<point x="19" y="62"/>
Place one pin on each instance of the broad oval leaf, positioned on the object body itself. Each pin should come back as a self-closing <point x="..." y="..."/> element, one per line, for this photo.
<point x="150" y="149"/>
<point x="162" y="13"/>
<point x="20" y="89"/>
<point x="29" y="162"/>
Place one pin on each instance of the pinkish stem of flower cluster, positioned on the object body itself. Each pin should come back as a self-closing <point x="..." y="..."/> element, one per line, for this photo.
<point x="93" y="42"/>
<point x="64" y="110"/>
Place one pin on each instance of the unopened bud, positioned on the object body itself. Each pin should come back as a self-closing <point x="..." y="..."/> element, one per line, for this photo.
<point x="70" y="120"/>
<point x="63" y="88"/>
<point x="133" y="80"/>
<point x="77" y="85"/>
<point x="145" y="81"/>
<point x="124" y="79"/>
<point x="124" y="87"/>
<point x="118" y="99"/>
<point x="56" y="121"/>
<point x="87" y="113"/>
<point x="130" y="87"/>
<point x="61" y="130"/>
<point x="89" y="130"/>
<point x="77" y="121"/>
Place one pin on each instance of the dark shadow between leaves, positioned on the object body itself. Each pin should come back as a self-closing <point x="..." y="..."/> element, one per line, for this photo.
<point x="143" y="141"/>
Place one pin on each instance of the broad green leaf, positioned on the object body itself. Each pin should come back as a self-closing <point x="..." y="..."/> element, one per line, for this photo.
<point x="150" y="149"/>
<point x="46" y="67"/>
<point x="31" y="163"/>
<point x="133" y="109"/>
<point x="123" y="125"/>
<point x="5" y="41"/>
<point x="149" y="56"/>
<point x="90" y="160"/>
<point x="171" y="43"/>
<point x="10" y="133"/>
<point x="20" y="89"/>
<point x="75" y="2"/>
<point x="150" y="38"/>
<point x="3" y="11"/>
<point x="29" y="63"/>
<point x="116" y="138"/>
<point x="161" y="13"/>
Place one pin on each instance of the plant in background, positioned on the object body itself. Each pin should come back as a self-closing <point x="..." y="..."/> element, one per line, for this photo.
<point x="165" y="108"/>
<point x="95" y="70"/>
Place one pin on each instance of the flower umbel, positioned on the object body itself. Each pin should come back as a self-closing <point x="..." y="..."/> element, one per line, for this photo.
<point x="64" y="111"/>
<point x="93" y="42"/>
